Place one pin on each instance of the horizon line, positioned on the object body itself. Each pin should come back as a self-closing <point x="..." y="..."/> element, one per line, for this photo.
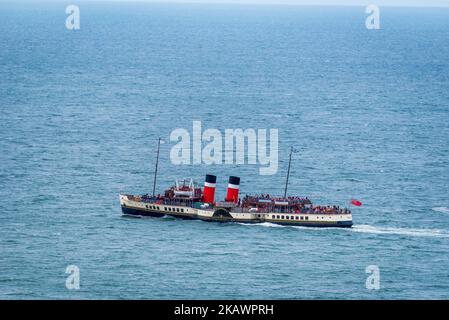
<point x="239" y="2"/>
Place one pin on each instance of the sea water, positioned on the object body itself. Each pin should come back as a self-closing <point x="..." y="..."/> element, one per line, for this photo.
<point x="81" y="111"/>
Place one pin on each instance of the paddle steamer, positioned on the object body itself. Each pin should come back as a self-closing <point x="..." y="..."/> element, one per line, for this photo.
<point x="187" y="200"/>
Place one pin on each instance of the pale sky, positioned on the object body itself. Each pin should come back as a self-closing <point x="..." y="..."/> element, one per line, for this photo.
<point x="432" y="3"/>
<point x="423" y="3"/>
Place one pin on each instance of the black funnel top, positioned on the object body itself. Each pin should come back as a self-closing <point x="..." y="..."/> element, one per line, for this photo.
<point x="211" y="178"/>
<point x="234" y="180"/>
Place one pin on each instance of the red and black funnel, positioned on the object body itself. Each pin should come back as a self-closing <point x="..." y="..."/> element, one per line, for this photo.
<point x="209" y="188"/>
<point x="233" y="189"/>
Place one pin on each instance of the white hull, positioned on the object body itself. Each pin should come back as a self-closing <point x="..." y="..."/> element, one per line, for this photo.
<point x="139" y="208"/>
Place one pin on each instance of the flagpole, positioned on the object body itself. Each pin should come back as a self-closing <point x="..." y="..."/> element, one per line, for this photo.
<point x="288" y="172"/>
<point x="157" y="161"/>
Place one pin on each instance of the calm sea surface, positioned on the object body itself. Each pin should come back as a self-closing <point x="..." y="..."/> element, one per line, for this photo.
<point x="81" y="112"/>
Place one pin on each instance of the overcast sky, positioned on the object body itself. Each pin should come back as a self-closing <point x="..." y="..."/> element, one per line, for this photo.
<point x="431" y="3"/>
<point x="337" y="2"/>
<point x="316" y="2"/>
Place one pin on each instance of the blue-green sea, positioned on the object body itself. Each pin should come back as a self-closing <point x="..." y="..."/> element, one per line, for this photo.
<point x="81" y="111"/>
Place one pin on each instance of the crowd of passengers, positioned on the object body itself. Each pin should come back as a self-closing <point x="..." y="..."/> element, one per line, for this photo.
<point x="300" y="210"/>
<point x="248" y="200"/>
<point x="325" y="210"/>
<point x="295" y="205"/>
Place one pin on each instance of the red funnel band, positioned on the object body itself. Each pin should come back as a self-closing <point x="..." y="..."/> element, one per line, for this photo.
<point x="232" y="195"/>
<point x="233" y="189"/>
<point x="209" y="194"/>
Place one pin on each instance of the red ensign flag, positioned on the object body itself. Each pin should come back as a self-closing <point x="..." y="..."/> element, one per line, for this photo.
<point x="356" y="202"/>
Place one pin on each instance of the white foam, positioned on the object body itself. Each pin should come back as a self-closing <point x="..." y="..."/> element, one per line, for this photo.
<point x="263" y="224"/>
<point x="441" y="209"/>
<point x="364" y="228"/>
<point x="275" y="225"/>
<point x="401" y="231"/>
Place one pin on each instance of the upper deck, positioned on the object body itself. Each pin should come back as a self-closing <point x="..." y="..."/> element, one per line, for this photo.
<point x="293" y="204"/>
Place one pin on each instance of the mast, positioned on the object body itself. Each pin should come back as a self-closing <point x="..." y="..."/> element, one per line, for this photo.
<point x="288" y="172"/>
<point x="157" y="161"/>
